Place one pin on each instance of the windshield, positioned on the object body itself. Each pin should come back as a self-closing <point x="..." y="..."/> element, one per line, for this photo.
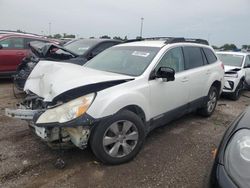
<point x="79" y="47"/>
<point x="124" y="60"/>
<point x="231" y="59"/>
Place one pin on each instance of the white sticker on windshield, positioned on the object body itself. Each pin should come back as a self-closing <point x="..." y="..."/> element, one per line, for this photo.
<point x="83" y="48"/>
<point x="141" y="54"/>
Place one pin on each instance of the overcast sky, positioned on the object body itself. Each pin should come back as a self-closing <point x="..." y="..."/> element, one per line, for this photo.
<point x="219" y="21"/>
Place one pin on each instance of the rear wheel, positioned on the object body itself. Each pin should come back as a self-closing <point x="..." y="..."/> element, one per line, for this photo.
<point x="236" y="95"/>
<point x="119" y="139"/>
<point x="211" y="102"/>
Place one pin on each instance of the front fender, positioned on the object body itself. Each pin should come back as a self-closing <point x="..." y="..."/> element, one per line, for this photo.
<point x="108" y="103"/>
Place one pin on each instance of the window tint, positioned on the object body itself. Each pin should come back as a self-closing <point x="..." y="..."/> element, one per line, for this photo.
<point x="102" y="47"/>
<point x="210" y="55"/>
<point x="6" y="43"/>
<point x="173" y="59"/>
<point x="193" y="57"/>
<point x="13" y="43"/>
<point x="247" y="63"/>
<point x="204" y="57"/>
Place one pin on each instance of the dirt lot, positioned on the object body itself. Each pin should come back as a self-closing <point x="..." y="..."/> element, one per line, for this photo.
<point x="177" y="155"/>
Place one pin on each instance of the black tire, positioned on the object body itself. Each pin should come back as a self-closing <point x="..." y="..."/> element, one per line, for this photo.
<point x="237" y="93"/>
<point x="207" y="111"/>
<point x="102" y="129"/>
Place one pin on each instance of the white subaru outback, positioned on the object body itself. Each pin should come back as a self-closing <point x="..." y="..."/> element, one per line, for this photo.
<point x="237" y="72"/>
<point x="117" y="98"/>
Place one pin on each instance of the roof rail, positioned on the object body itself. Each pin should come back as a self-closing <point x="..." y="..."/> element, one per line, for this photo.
<point x="18" y="32"/>
<point x="191" y="40"/>
<point x="171" y="40"/>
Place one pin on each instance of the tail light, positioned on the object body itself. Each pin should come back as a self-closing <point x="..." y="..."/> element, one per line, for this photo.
<point x="222" y="66"/>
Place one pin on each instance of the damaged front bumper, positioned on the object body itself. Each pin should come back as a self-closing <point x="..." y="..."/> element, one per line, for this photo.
<point x="23" y="114"/>
<point x="57" y="135"/>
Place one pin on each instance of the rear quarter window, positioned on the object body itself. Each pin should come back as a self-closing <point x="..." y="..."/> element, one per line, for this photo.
<point x="211" y="58"/>
<point x="193" y="57"/>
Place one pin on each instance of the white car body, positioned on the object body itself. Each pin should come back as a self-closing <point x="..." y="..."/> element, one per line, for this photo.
<point x="238" y="73"/>
<point x="50" y="79"/>
<point x="60" y="91"/>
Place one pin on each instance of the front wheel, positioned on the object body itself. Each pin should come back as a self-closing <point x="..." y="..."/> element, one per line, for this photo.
<point x="236" y="94"/>
<point x="119" y="139"/>
<point x="211" y="102"/>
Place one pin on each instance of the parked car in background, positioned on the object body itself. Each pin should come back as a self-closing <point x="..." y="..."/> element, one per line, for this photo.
<point x="237" y="72"/>
<point x="78" y="52"/>
<point x="13" y="48"/>
<point x="118" y="97"/>
<point x="89" y="48"/>
<point x="231" y="167"/>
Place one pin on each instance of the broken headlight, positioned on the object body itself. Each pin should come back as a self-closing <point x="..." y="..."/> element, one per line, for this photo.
<point x="237" y="158"/>
<point x="67" y="111"/>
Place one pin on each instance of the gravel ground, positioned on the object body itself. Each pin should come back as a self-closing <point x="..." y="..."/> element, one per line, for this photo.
<point x="177" y="155"/>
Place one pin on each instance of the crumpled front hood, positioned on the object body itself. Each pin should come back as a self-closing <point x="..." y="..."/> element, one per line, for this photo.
<point x="229" y="68"/>
<point x="50" y="79"/>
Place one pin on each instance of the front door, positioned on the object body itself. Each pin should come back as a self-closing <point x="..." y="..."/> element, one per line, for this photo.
<point x="169" y="99"/>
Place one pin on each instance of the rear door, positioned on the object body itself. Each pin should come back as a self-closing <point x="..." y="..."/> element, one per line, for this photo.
<point x="247" y="69"/>
<point x="12" y="53"/>
<point x="198" y="73"/>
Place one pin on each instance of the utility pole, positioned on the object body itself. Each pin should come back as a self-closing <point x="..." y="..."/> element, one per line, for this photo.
<point x="142" y="19"/>
<point x="49" y="29"/>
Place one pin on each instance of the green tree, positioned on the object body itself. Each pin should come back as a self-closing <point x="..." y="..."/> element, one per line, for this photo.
<point x="215" y="47"/>
<point x="65" y="35"/>
<point x="19" y="31"/>
<point x="57" y="36"/>
<point x="117" y="38"/>
<point x="227" y="47"/>
<point x="244" y="46"/>
<point x="105" y="37"/>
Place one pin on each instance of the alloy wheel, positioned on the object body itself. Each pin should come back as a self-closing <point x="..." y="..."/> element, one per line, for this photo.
<point x="120" y="138"/>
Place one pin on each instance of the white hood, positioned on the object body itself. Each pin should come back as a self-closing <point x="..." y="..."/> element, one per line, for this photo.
<point x="228" y="68"/>
<point x="49" y="79"/>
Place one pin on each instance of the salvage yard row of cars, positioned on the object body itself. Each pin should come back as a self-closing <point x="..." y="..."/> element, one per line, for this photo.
<point x="112" y="101"/>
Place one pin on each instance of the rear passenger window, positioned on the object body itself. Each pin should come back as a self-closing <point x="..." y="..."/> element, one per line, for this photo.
<point x="210" y="55"/>
<point x="13" y="43"/>
<point x="193" y="57"/>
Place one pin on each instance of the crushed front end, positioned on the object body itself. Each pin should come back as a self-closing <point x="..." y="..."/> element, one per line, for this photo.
<point x="232" y="79"/>
<point x="59" y="124"/>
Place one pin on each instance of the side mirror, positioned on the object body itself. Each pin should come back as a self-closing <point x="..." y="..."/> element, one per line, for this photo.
<point x="1" y="47"/>
<point x="166" y="73"/>
<point x="91" y="55"/>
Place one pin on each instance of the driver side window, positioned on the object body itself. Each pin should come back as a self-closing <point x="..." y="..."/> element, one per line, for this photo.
<point x="173" y="59"/>
<point x="247" y="63"/>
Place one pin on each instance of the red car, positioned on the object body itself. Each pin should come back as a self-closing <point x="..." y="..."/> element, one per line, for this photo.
<point x="13" y="48"/>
